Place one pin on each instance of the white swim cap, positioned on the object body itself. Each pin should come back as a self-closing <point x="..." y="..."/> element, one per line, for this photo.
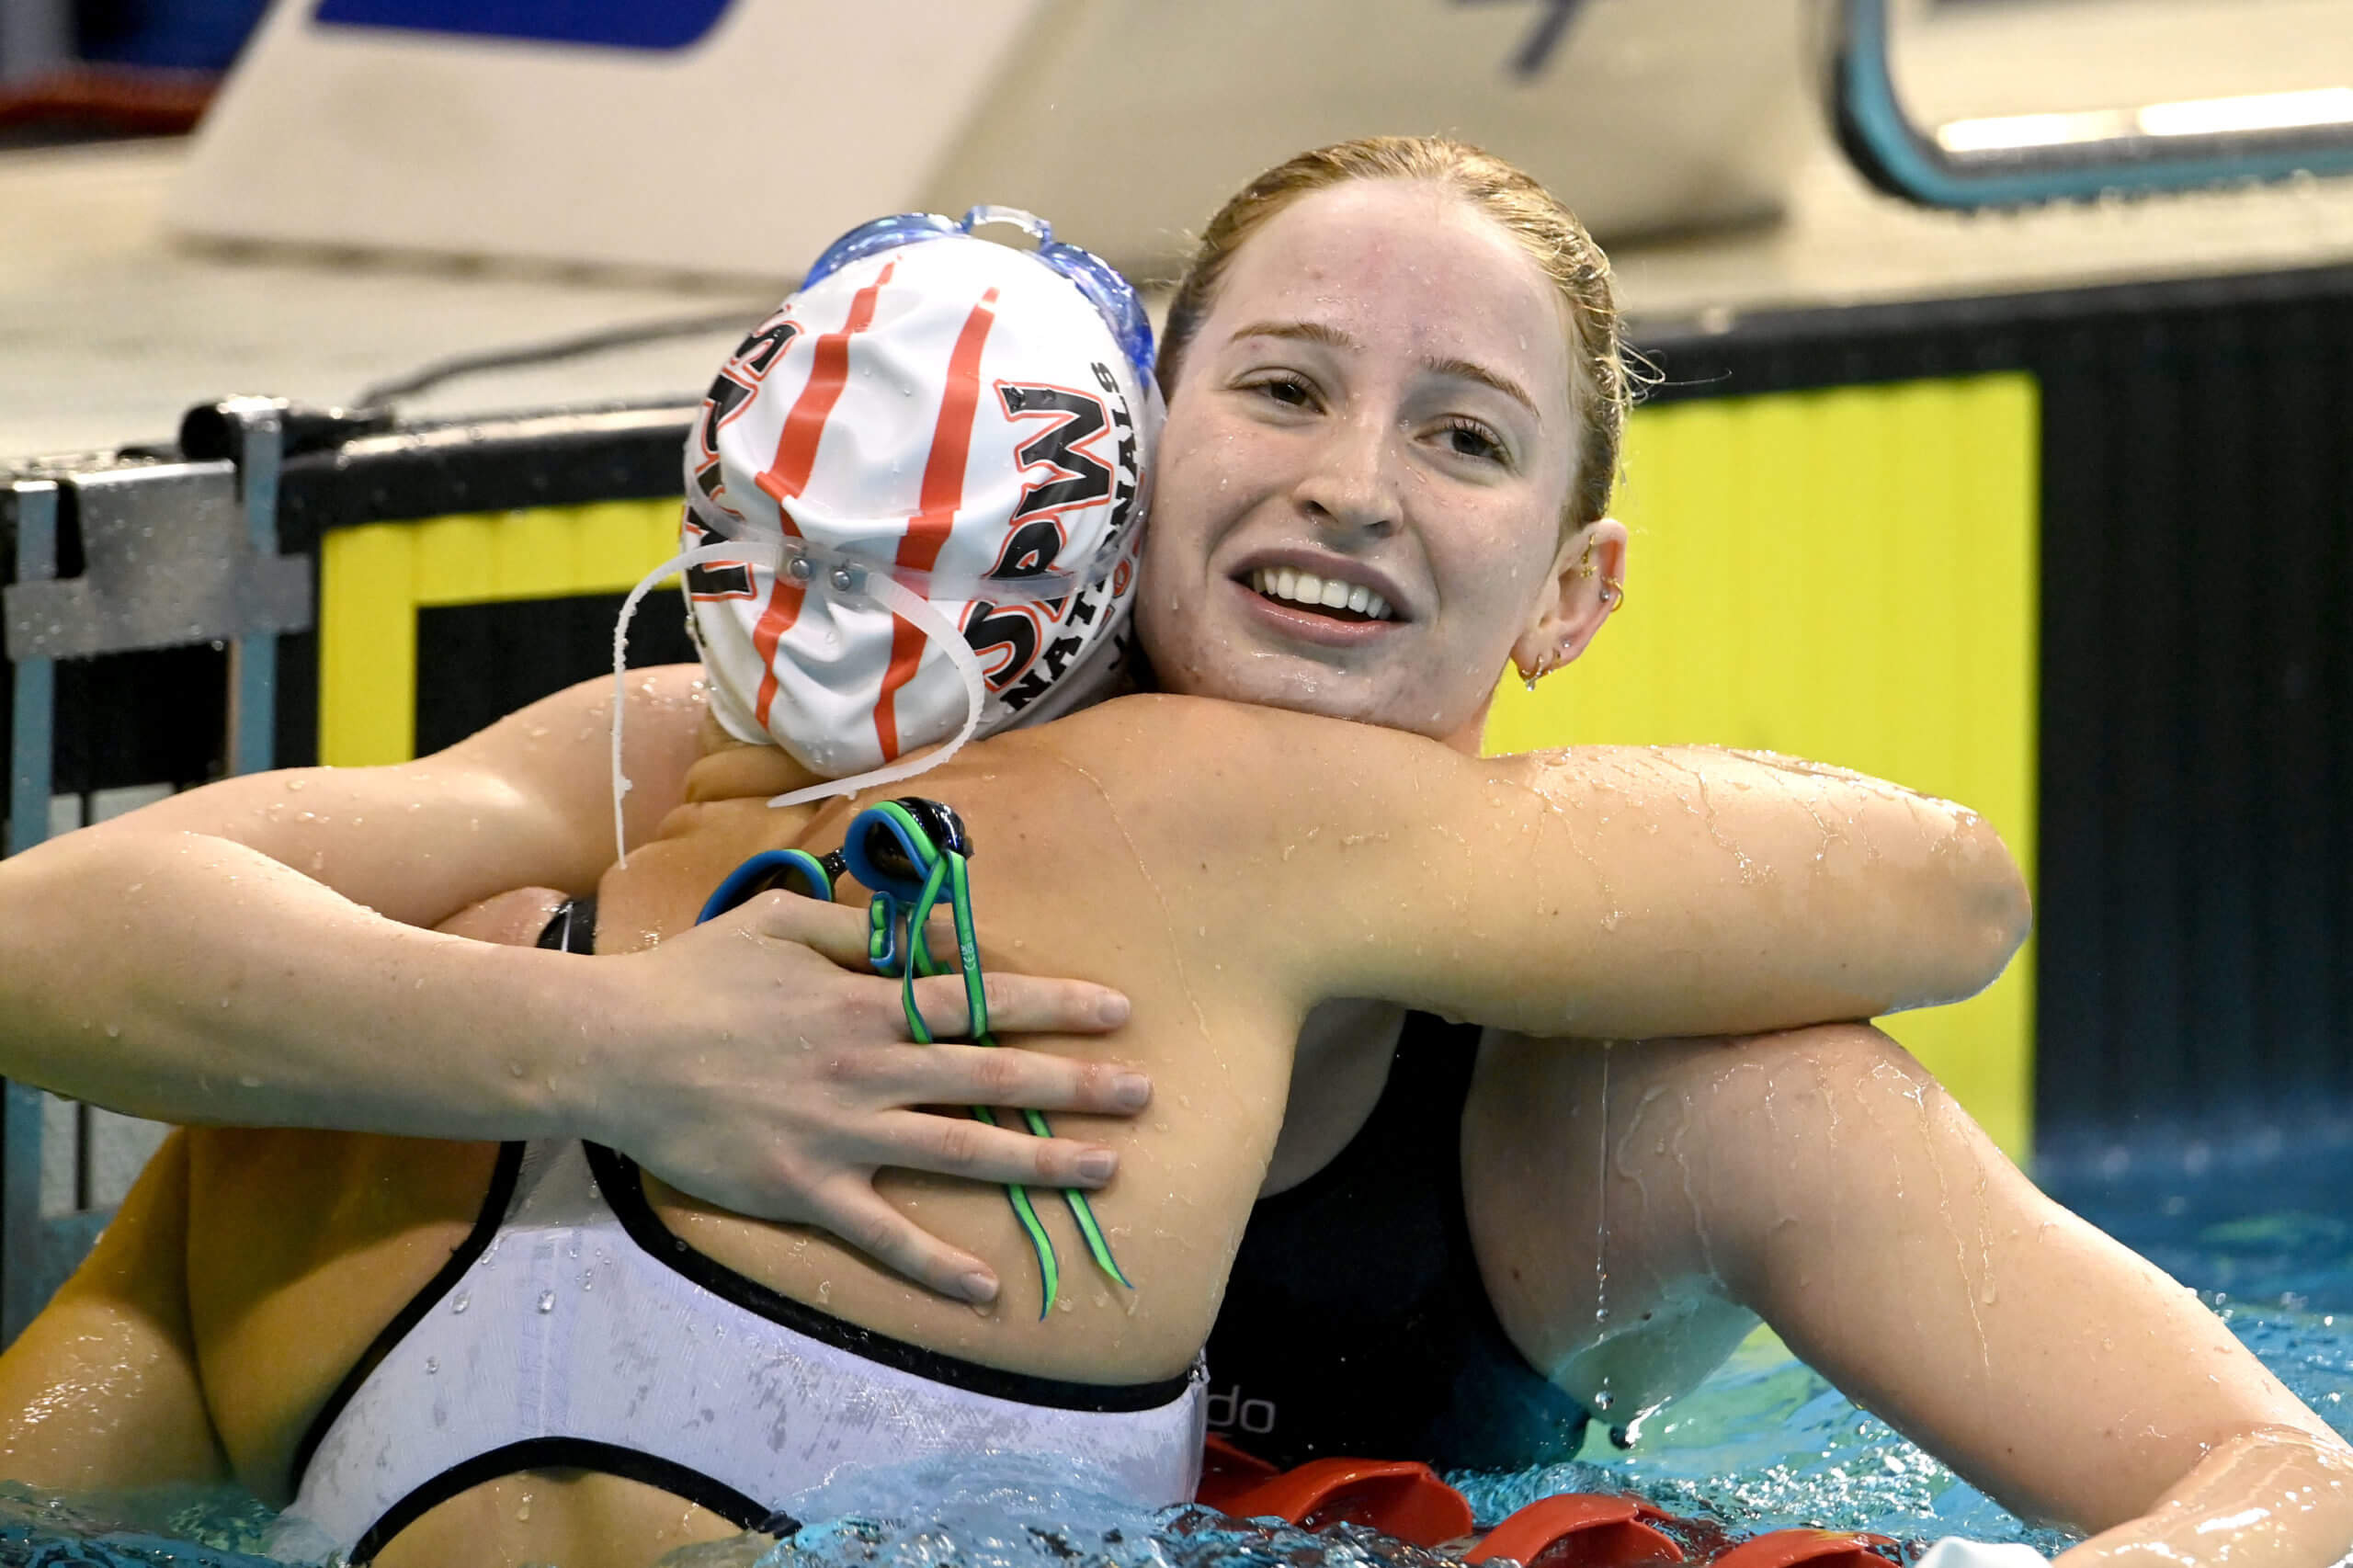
<point x="936" y="414"/>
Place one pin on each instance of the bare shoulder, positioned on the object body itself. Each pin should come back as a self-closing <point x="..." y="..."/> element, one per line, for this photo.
<point x="1206" y="748"/>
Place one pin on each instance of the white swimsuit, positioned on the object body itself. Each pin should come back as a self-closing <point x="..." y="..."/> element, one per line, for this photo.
<point x="574" y="1330"/>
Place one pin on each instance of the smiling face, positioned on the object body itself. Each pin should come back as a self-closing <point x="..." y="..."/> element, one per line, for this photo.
<point x="1369" y="449"/>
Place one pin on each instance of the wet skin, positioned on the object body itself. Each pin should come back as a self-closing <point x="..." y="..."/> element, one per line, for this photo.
<point x="291" y="1250"/>
<point x="1381" y="394"/>
<point x="1731" y="1176"/>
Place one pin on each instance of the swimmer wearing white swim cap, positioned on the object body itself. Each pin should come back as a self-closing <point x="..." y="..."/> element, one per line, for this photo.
<point x="916" y="495"/>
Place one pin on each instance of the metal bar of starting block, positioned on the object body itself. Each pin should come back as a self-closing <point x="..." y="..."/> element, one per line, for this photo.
<point x="253" y="659"/>
<point x="32" y="736"/>
<point x="32" y="740"/>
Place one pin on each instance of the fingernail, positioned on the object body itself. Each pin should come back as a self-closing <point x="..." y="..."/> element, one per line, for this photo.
<point x="979" y="1287"/>
<point x="1112" y="1011"/>
<point x="1130" y="1090"/>
<point x="1096" y="1164"/>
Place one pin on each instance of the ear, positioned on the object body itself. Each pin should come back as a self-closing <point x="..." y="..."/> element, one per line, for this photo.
<point x="1588" y="581"/>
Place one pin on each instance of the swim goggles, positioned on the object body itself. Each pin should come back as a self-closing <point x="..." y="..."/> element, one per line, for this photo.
<point x="911" y="853"/>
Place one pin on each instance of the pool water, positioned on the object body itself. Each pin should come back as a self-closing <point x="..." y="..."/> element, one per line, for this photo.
<point x="2259" y="1220"/>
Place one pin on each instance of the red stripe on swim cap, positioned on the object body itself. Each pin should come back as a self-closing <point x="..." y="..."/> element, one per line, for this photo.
<point x="942" y="495"/>
<point x="951" y="442"/>
<point x="796" y="444"/>
<point x="783" y="609"/>
<point x="788" y="473"/>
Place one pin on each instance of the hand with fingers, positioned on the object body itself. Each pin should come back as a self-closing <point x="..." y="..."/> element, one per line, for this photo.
<point x="760" y="1065"/>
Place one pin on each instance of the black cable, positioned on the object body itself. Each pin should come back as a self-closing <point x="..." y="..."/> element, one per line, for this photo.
<point x="551" y="350"/>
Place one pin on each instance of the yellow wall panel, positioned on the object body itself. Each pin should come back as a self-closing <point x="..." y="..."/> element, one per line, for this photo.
<point x="373" y="579"/>
<point x="453" y="558"/>
<point x="620" y="541"/>
<point x="1848" y="575"/>
<point x="368" y="645"/>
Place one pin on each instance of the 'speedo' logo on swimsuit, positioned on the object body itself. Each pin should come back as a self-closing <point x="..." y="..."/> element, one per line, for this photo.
<point x="1229" y="1412"/>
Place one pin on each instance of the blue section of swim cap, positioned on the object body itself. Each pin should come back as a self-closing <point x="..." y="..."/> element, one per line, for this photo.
<point x="1111" y="295"/>
<point x="613" y="24"/>
<point x="881" y="234"/>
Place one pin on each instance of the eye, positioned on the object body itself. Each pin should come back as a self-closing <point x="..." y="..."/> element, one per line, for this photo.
<point x="1286" y="391"/>
<point x="1469" y="438"/>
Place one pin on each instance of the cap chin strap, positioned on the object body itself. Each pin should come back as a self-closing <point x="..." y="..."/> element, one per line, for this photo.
<point x="843" y="576"/>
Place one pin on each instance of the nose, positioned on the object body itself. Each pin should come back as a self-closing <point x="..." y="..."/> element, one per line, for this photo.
<point x="1350" y="487"/>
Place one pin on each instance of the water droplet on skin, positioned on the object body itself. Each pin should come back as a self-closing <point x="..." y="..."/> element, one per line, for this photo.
<point x="462" y="1303"/>
<point x="432" y="1365"/>
<point x="1603" y="1399"/>
<point x="547" y="1300"/>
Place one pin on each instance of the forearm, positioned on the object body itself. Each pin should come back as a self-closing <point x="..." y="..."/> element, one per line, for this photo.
<point x="191" y="979"/>
<point x="2275" y="1497"/>
<point x="1859" y="1210"/>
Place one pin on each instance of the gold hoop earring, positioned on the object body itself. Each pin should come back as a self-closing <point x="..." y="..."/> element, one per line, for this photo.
<point x="1552" y="661"/>
<point x="1529" y="677"/>
<point x="1613" y="593"/>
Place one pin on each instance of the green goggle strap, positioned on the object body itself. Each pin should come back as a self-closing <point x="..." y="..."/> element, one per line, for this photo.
<point x="896" y="940"/>
<point x="968" y="953"/>
<point x="908" y="938"/>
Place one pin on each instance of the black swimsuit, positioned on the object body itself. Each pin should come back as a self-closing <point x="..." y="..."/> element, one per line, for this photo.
<point x="1356" y="1322"/>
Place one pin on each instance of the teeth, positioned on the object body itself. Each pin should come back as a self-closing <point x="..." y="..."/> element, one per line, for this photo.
<point x="1307" y="588"/>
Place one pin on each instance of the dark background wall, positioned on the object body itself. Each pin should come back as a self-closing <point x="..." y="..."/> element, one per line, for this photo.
<point x="2196" y="885"/>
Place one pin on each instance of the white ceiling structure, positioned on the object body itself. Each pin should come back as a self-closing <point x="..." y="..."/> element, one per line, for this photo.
<point x="345" y="216"/>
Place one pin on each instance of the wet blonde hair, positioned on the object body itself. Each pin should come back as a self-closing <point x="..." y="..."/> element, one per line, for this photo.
<point x="1508" y="197"/>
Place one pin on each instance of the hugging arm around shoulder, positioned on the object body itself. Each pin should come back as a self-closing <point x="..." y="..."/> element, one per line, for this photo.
<point x="1609" y="891"/>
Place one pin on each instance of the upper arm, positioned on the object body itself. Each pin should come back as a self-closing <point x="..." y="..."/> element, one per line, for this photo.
<point x="102" y="1390"/>
<point x="526" y="802"/>
<point x="1606" y="891"/>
